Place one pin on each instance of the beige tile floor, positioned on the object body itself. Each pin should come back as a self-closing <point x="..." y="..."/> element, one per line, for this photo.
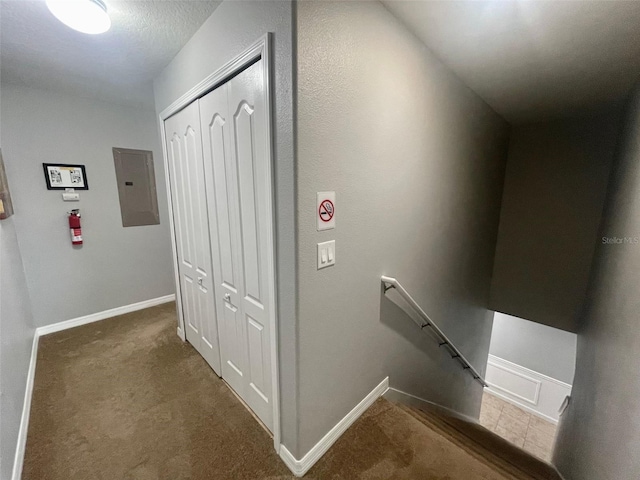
<point x="521" y="428"/>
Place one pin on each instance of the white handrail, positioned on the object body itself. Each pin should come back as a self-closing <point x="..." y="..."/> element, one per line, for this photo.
<point x="389" y="283"/>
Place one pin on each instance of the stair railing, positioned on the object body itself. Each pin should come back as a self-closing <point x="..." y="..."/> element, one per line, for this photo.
<point x="389" y="283"/>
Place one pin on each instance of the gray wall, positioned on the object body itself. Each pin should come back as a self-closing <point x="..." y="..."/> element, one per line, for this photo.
<point x="600" y="432"/>
<point x="232" y="28"/>
<point x="116" y="266"/>
<point x="537" y="347"/>
<point x="417" y="163"/>
<point x="554" y="193"/>
<point x="16" y="337"/>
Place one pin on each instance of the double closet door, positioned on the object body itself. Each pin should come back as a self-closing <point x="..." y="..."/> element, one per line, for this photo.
<point x="219" y="174"/>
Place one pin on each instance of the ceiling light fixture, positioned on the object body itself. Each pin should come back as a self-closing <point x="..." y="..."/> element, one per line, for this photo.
<point x="86" y="16"/>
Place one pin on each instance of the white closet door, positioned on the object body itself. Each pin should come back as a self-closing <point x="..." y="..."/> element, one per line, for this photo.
<point x="235" y="152"/>
<point x="186" y="171"/>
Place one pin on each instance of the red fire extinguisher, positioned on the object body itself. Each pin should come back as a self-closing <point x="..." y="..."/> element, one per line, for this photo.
<point x="74" y="225"/>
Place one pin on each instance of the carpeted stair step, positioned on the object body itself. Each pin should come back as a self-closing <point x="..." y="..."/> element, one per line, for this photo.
<point x="482" y="443"/>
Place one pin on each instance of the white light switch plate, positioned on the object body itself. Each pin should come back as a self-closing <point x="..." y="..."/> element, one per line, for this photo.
<point x="70" y="196"/>
<point x="326" y="254"/>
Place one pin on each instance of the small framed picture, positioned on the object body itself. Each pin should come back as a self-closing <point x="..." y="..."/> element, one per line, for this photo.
<point x="60" y="176"/>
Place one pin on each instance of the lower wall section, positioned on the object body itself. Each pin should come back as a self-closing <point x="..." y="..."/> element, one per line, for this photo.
<point x="114" y="312"/>
<point x="300" y="467"/>
<point x="26" y="409"/>
<point x="529" y="390"/>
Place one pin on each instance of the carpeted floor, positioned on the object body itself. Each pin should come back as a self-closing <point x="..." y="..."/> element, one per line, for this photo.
<point x="126" y="399"/>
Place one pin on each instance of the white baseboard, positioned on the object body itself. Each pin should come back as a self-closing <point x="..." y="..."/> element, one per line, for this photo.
<point x="95" y="317"/>
<point x="530" y="390"/>
<point x="300" y="467"/>
<point x="292" y="462"/>
<point x="26" y="410"/>
<point x="57" y="327"/>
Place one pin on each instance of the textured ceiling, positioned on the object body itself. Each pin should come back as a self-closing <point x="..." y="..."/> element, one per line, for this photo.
<point x="38" y="51"/>
<point x="529" y="58"/>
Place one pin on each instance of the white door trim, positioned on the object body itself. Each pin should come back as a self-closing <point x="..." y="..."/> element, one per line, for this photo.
<point x="261" y="49"/>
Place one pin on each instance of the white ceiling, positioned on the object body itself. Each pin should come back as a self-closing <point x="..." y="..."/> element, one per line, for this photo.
<point x="530" y="58"/>
<point x="37" y="50"/>
<point x="527" y="58"/>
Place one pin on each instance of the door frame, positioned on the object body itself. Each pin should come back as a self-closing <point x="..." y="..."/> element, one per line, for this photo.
<point x="260" y="50"/>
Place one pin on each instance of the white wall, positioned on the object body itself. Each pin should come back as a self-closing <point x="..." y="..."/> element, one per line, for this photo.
<point x="231" y="29"/>
<point x="16" y="337"/>
<point x="417" y="163"/>
<point x="531" y="365"/>
<point x="116" y="266"/>
<point x="540" y="348"/>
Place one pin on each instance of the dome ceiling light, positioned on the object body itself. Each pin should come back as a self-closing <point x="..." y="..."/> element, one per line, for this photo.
<point x="86" y="16"/>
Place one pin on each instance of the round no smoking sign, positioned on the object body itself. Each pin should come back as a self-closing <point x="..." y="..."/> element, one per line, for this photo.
<point x="326" y="210"/>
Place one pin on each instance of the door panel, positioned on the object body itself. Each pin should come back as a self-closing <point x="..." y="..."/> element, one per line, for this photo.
<point x="218" y="144"/>
<point x="223" y="214"/>
<point x="186" y="172"/>
<point x="244" y="143"/>
<point x="249" y="146"/>
<point x="235" y="161"/>
<point x="256" y="356"/>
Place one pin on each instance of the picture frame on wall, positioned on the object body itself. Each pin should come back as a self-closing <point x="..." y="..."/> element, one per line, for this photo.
<point x="60" y="176"/>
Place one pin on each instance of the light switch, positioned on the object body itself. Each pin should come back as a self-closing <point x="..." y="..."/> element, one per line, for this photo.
<point x="326" y="254"/>
<point x="70" y="196"/>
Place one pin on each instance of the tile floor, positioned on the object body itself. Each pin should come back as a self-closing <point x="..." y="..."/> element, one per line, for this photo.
<point x="521" y="428"/>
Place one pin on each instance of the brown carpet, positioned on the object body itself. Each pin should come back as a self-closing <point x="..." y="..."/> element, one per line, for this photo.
<point x="484" y="445"/>
<point x="126" y="399"/>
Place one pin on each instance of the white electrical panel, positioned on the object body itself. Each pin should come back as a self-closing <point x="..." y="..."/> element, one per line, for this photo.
<point x="326" y="254"/>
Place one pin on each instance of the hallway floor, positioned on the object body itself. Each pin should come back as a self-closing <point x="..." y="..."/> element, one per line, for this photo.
<point x="126" y="399"/>
<point x="521" y="428"/>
